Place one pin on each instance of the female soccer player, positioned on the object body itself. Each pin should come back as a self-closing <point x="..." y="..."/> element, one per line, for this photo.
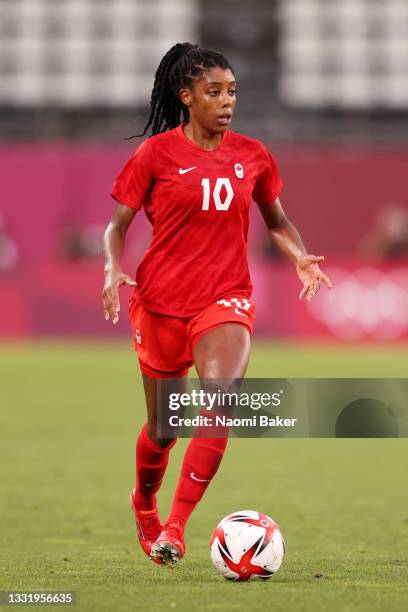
<point x="191" y="302"/>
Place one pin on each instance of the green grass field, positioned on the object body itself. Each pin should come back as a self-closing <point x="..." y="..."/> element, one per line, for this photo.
<point x="70" y="414"/>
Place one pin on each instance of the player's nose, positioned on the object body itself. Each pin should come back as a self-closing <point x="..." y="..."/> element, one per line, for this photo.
<point x="226" y="100"/>
<point x="227" y="103"/>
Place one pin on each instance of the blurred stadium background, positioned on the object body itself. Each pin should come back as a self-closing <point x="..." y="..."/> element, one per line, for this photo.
<point x="323" y="83"/>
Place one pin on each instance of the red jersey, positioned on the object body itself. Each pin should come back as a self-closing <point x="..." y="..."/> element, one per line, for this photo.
<point x="198" y="204"/>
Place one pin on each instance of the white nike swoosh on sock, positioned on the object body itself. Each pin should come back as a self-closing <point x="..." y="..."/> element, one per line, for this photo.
<point x="198" y="479"/>
<point x="148" y="484"/>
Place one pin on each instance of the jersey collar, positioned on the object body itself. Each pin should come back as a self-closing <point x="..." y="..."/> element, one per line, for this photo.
<point x="180" y="132"/>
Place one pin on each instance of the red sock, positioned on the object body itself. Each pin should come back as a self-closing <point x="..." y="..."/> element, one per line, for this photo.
<point x="200" y="464"/>
<point x="151" y="463"/>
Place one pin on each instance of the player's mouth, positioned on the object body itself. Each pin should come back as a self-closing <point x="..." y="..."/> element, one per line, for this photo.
<point x="224" y="119"/>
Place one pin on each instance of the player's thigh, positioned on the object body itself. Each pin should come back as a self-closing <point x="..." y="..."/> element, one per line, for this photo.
<point x="223" y="352"/>
<point x="150" y="385"/>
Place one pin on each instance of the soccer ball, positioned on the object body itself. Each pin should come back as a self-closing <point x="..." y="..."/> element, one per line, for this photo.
<point x="247" y="545"/>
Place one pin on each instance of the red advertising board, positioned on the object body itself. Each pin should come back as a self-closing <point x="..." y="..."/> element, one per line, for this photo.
<point x="366" y="302"/>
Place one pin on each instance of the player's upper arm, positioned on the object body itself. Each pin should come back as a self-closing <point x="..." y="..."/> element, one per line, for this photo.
<point x="273" y="214"/>
<point x="135" y="180"/>
<point x="122" y="217"/>
<point x="268" y="185"/>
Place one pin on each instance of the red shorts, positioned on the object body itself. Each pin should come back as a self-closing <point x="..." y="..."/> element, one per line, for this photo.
<point x="164" y="344"/>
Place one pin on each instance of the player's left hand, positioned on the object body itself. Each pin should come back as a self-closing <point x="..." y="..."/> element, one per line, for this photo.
<point x="310" y="274"/>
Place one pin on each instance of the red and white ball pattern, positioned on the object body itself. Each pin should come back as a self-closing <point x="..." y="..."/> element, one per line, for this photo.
<point x="247" y="545"/>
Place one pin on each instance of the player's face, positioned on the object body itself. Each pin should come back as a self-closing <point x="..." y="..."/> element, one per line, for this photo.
<point x="212" y="100"/>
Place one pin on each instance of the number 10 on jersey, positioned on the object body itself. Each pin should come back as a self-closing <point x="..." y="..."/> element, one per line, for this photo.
<point x="219" y="184"/>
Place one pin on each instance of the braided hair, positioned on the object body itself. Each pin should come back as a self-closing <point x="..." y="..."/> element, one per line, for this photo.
<point x="178" y="68"/>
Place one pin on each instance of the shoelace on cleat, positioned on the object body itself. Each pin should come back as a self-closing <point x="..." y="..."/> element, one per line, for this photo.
<point x="149" y="524"/>
<point x="174" y="530"/>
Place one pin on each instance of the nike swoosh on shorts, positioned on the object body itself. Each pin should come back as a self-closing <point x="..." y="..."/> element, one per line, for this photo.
<point x="240" y="313"/>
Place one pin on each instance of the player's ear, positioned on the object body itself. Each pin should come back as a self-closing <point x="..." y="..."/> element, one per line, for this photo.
<point x="185" y="97"/>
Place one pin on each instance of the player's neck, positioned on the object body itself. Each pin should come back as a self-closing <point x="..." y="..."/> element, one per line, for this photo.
<point x="201" y="137"/>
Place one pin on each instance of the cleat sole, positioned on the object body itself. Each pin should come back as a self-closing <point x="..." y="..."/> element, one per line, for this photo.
<point x="166" y="553"/>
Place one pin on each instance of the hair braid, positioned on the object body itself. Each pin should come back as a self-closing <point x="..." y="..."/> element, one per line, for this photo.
<point x="177" y="69"/>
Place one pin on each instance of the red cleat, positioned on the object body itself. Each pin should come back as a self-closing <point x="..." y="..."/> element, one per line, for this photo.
<point x="147" y="524"/>
<point x="169" y="547"/>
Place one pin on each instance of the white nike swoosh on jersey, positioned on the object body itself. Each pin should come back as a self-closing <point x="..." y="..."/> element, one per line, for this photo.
<point x="184" y="170"/>
<point x="240" y="313"/>
<point x="197" y="479"/>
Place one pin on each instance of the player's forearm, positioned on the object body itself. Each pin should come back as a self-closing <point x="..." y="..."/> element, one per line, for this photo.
<point x="288" y="240"/>
<point x="113" y="245"/>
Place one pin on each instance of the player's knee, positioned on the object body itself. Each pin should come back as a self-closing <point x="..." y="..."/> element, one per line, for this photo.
<point x="162" y="442"/>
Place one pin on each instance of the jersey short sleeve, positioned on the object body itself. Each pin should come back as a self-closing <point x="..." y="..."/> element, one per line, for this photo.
<point x="269" y="183"/>
<point x="135" y="180"/>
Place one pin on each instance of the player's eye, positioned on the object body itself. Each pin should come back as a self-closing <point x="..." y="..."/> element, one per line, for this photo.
<point x="232" y="92"/>
<point x="213" y="92"/>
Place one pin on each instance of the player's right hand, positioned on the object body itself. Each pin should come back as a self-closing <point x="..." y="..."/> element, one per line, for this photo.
<point x="110" y="294"/>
